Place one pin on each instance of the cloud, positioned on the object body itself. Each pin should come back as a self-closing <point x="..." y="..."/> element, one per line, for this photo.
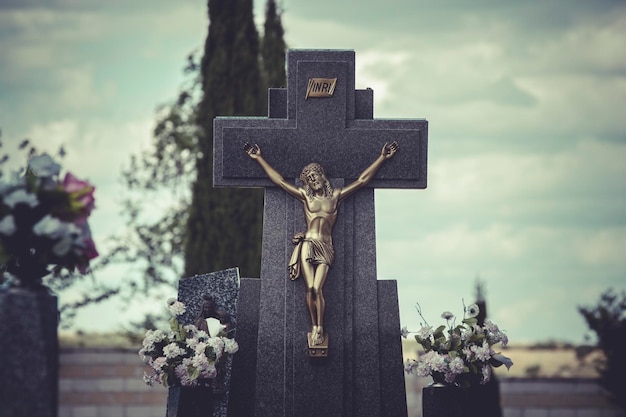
<point x="483" y="68"/>
<point x="397" y="17"/>
<point x="565" y="188"/>
<point x="79" y="58"/>
<point x="376" y="69"/>
<point x="603" y="247"/>
<point x="95" y="151"/>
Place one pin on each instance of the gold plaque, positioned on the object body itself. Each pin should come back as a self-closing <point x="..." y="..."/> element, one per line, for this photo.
<point x="320" y="87"/>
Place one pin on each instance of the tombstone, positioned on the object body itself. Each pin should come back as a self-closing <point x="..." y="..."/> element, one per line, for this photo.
<point x="29" y="354"/>
<point x="223" y="287"/>
<point x="332" y="124"/>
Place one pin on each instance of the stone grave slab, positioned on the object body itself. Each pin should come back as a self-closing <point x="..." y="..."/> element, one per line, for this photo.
<point x="223" y="286"/>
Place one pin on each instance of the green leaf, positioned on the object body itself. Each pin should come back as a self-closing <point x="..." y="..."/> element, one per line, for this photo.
<point x="426" y="344"/>
<point x="455" y="343"/>
<point x="174" y="324"/>
<point x="193" y="372"/>
<point x="440" y="341"/>
<point x="472" y="368"/>
<point x="439" y="332"/>
<point x="471" y="321"/>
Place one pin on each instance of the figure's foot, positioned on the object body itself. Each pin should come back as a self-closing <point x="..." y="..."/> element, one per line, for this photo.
<point x="318" y="335"/>
<point x="314" y="334"/>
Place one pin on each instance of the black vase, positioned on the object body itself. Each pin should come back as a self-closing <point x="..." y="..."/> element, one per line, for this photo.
<point x="442" y="400"/>
<point x="29" y="272"/>
<point x="190" y="401"/>
<point x="439" y="400"/>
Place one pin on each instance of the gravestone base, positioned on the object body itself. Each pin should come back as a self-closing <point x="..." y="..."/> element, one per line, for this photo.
<point x="244" y="394"/>
<point x="320" y="351"/>
<point x="29" y="354"/>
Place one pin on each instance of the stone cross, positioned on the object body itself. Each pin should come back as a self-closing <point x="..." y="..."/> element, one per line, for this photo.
<point x="321" y="118"/>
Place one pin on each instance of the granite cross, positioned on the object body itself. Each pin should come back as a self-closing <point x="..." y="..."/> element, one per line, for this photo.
<point x="321" y="118"/>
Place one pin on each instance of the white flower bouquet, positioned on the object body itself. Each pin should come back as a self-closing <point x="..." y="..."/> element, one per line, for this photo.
<point x="43" y="223"/>
<point x="185" y="355"/>
<point x="458" y="354"/>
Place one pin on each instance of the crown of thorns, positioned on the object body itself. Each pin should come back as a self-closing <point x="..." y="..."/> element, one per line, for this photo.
<point x="312" y="167"/>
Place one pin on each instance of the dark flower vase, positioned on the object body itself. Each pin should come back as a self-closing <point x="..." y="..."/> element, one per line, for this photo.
<point x="442" y="400"/>
<point x="190" y="401"/>
<point x="439" y="400"/>
<point x="29" y="273"/>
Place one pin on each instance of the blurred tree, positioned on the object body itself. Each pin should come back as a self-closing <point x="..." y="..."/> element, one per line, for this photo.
<point x="273" y="47"/>
<point x="481" y="301"/>
<point x="485" y="397"/>
<point x="608" y="321"/>
<point x="224" y="227"/>
<point x="189" y="227"/>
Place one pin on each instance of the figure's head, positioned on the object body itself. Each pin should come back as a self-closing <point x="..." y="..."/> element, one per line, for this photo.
<point x="314" y="178"/>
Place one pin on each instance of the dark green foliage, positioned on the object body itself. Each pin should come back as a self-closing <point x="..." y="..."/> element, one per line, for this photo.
<point x="608" y="321"/>
<point x="160" y="176"/>
<point x="225" y="225"/>
<point x="273" y="47"/>
<point x="481" y="301"/>
<point x="211" y="229"/>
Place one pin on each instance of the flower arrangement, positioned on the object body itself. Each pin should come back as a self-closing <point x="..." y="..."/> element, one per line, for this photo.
<point x="458" y="354"/>
<point x="43" y="223"/>
<point x="185" y="355"/>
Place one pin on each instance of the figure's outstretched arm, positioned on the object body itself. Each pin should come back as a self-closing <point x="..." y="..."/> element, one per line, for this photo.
<point x="388" y="151"/>
<point x="254" y="152"/>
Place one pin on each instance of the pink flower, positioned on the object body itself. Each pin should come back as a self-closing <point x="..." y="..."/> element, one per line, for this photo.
<point x="81" y="194"/>
<point x="90" y="248"/>
<point x="85" y="247"/>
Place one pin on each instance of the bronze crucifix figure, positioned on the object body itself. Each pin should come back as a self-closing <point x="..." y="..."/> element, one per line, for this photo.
<point x="314" y="251"/>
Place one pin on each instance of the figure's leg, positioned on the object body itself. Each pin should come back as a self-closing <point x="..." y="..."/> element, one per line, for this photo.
<point x="321" y="273"/>
<point x="308" y="273"/>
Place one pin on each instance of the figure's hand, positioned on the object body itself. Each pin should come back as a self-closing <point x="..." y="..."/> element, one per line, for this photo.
<point x="253" y="151"/>
<point x="389" y="149"/>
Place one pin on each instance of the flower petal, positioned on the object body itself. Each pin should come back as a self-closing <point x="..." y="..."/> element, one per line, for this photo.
<point x="506" y="361"/>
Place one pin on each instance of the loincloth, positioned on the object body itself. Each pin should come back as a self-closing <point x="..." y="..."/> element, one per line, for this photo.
<point x="319" y="252"/>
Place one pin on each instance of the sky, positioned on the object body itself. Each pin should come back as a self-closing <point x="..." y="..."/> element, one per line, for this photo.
<point x="527" y="134"/>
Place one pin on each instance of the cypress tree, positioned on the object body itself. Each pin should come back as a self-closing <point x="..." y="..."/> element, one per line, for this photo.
<point x="217" y="228"/>
<point x="273" y="47"/>
<point x="224" y="227"/>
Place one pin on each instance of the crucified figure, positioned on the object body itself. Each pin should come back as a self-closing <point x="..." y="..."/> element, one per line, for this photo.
<point x="314" y="252"/>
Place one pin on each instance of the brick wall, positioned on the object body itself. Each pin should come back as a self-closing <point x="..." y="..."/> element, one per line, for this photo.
<point x="108" y="383"/>
<point x="555" y="398"/>
<point x="536" y="397"/>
